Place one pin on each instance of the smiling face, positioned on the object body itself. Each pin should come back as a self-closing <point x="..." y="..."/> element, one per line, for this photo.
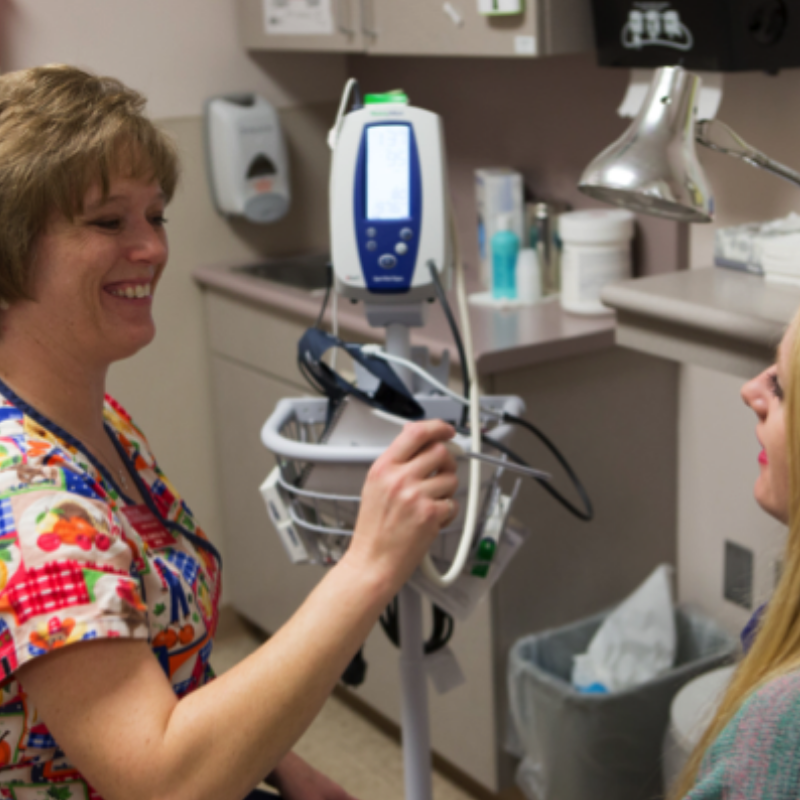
<point x="765" y="396"/>
<point x="93" y="277"/>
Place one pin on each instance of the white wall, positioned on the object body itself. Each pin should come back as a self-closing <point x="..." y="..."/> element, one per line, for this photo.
<point x="177" y="52"/>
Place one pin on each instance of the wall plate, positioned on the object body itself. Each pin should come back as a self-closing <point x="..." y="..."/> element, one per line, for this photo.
<point x="738" y="580"/>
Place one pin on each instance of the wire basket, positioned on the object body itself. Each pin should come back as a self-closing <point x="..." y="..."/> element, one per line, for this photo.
<point x="321" y="482"/>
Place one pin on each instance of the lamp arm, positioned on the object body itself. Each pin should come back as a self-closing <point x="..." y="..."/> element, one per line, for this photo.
<point x="720" y="137"/>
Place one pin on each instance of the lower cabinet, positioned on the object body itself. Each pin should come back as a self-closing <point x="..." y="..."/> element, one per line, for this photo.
<point x="260" y="582"/>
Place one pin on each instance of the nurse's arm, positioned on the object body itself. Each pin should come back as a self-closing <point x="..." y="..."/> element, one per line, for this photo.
<point x="112" y="710"/>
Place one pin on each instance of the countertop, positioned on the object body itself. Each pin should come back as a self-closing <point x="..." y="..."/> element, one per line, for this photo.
<point x="503" y="339"/>
<point x="719" y="318"/>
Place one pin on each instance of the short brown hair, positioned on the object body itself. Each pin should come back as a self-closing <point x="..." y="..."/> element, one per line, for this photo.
<point x="62" y="131"/>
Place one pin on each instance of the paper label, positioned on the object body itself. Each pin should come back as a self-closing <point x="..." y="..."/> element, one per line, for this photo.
<point x="444" y="670"/>
<point x="298" y="17"/>
<point x="639" y="85"/>
<point x="460" y="598"/>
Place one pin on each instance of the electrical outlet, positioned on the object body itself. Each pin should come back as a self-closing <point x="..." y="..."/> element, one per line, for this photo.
<point x="777" y="570"/>
<point x="738" y="580"/>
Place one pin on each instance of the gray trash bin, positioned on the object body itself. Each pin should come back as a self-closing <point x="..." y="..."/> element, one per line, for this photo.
<point x="578" y="746"/>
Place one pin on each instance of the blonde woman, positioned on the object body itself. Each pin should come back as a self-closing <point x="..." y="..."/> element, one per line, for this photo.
<point x="752" y="747"/>
<point x="108" y="587"/>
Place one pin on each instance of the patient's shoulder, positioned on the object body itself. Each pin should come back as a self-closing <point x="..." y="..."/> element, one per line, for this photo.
<point x="758" y="753"/>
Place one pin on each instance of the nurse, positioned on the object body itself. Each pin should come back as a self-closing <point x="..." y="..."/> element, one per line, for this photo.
<point x="752" y="747"/>
<point x="108" y="586"/>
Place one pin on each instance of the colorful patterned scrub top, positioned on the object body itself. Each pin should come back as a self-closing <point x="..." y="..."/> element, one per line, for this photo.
<point x="74" y="568"/>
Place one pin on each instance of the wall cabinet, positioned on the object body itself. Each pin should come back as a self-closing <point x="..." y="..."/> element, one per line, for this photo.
<point x="346" y="35"/>
<point x="432" y="27"/>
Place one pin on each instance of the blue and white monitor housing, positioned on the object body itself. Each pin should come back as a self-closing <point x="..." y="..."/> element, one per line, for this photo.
<point x="388" y="204"/>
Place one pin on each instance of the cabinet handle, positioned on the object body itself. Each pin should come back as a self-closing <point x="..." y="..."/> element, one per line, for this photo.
<point x="368" y="20"/>
<point x="343" y="18"/>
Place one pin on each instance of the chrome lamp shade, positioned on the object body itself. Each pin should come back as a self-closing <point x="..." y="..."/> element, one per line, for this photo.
<point x="653" y="167"/>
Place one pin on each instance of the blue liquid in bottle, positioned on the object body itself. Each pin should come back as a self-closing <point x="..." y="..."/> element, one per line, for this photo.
<point x="505" y="247"/>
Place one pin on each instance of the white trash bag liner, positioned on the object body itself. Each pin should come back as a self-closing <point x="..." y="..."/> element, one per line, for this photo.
<point x="636" y="641"/>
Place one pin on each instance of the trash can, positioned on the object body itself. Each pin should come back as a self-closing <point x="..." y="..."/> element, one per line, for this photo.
<point x="577" y="746"/>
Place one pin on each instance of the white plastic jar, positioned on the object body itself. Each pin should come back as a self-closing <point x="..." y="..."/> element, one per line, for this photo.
<point x="596" y="251"/>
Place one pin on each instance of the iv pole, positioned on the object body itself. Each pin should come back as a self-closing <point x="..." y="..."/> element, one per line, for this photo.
<point x="413" y="678"/>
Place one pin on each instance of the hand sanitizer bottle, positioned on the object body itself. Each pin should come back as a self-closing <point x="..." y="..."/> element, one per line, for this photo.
<point x="505" y="246"/>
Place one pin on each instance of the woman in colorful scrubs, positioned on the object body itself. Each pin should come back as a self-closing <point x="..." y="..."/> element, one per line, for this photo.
<point x="752" y="748"/>
<point x="108" y="587"/>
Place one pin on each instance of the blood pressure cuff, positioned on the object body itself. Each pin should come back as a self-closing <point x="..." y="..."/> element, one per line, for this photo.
<point x="391" y="395"/>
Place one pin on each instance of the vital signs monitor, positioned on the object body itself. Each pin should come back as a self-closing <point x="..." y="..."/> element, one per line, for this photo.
<point x="389" y="214"/>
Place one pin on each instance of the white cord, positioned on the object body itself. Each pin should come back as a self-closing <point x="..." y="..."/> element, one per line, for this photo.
<point x="333" y="133"/>
<point x="334" y="325"/>
<point x="473" y="494"/>
<point x="333" y="136"/>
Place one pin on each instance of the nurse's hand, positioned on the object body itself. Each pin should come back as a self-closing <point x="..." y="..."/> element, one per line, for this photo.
<point x="407" y="499"/>
<point x="296" y="779"/>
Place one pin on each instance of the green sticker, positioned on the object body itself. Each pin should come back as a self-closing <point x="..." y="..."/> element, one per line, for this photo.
<point x="59" y="792"/>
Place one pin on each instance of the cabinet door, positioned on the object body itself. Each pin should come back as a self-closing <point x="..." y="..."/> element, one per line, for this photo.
<point x="447" y="27"/>
<point x="455" y="28"/>
<point x="260" y="582"/>
<point x="344" y="34"/>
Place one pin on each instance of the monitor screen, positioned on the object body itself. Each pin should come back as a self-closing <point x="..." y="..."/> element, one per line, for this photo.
<point x="388" y="172"/>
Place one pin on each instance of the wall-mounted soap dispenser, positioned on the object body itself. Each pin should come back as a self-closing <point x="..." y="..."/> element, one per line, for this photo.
<point x="247" y="164"/>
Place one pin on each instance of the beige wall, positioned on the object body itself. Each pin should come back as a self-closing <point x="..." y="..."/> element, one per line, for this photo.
<point x="179" y="52"/>
<point x="546" y="118"/>
<point x="718" y="450"/>
<point x="166" y="386"/>
<point x="765" y="111"/>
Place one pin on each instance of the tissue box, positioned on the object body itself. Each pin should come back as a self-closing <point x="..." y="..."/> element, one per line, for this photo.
<point x="742" y="246"/>
<point x="598" y="746"/>
<point x="780" y="258"/>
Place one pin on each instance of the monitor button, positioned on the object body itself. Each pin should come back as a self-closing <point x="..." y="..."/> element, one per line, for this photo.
<point x="401" y="248"/>
<point x="371" y="232"/>
<point x="387" y="261"/>
<point x="372" y="245"/>
<point x="406" y="234"/>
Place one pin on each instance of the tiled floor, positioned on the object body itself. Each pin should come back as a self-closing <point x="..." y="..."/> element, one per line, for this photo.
<point x="340" y="742"/>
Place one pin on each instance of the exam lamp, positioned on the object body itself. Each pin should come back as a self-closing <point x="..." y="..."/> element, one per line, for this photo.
<point x="653" y="168"/>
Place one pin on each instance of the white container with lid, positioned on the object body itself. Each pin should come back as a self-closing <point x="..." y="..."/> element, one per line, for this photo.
<point x="596" y="251"/>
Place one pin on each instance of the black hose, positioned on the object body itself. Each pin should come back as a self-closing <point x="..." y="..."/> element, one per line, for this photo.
<point x="442" y="298"/>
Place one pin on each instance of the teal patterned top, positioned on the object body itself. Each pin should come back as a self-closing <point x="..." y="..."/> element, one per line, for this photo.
<point x="757" y="755"/>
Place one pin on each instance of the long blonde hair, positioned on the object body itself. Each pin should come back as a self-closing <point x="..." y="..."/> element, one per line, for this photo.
<point x="776" y="649"/>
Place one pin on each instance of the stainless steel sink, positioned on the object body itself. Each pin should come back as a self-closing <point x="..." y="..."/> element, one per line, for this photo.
<point x="307" y="272"/>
